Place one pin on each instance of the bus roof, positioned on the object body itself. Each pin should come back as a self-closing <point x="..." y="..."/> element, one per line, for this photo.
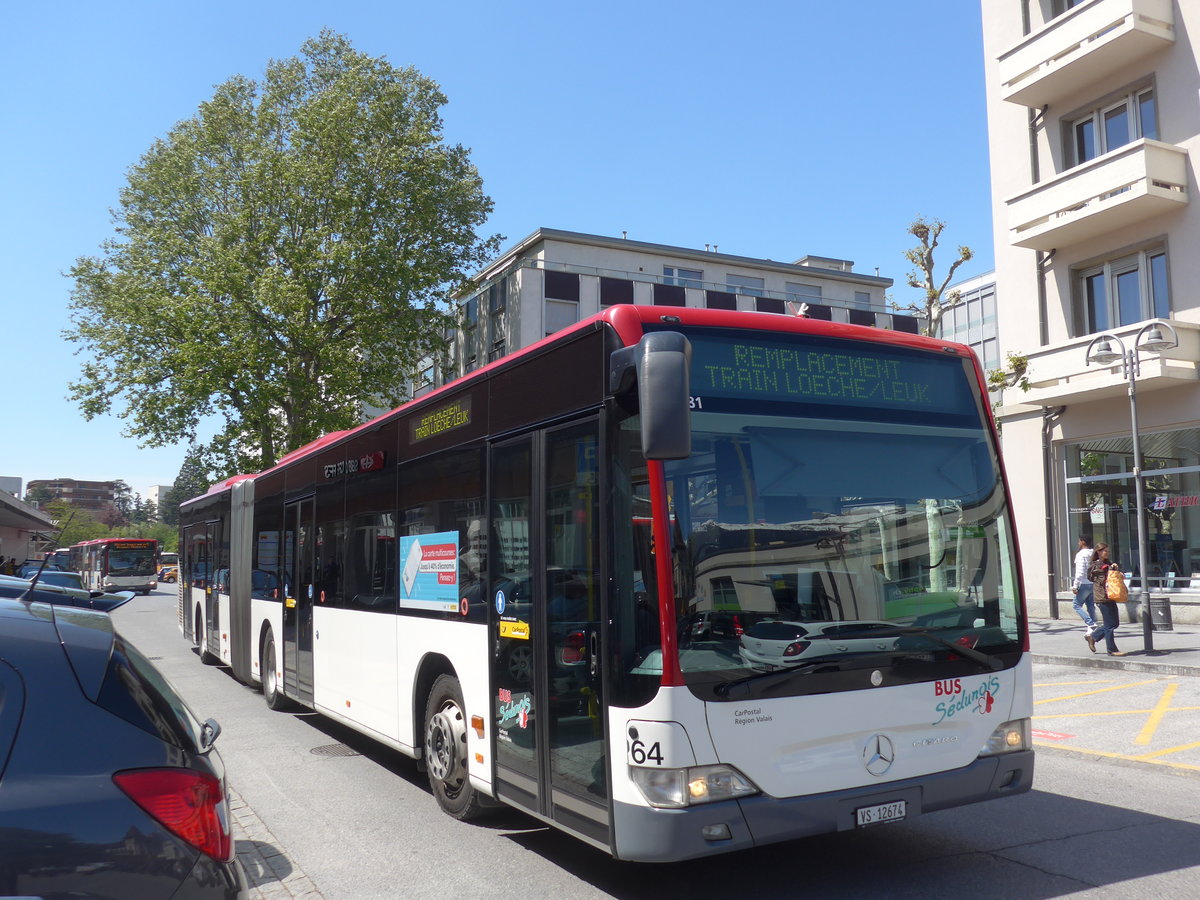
<point x="628" y="320"/>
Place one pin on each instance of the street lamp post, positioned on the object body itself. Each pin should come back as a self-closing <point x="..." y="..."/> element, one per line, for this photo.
<point x="1100" y="351"/>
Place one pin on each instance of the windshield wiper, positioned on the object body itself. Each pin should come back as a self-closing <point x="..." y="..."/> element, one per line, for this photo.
<point x="984" y="659"/>
<point x="740" y="687"/>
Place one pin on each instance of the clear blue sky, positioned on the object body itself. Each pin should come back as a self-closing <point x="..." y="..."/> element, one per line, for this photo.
<point x="773" y="129"/>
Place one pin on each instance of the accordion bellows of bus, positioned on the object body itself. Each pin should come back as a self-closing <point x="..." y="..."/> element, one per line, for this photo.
<point x="678" y="584"/>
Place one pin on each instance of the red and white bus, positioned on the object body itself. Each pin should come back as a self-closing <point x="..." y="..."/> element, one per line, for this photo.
<point x="116" y="564"/>
<point x="676" y="584"/>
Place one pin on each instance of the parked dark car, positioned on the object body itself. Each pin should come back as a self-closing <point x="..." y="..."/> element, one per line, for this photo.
<point x="109" y="785"/>
<point x="61" y="595"/>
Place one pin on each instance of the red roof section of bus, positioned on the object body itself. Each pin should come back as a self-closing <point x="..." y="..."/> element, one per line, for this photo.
<point x="628" y="321"/>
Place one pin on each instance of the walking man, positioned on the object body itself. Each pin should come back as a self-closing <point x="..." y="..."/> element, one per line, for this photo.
<point x="1085" y="606"/>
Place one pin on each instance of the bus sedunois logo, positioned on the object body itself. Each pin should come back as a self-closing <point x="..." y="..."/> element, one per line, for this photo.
<point x="879" y="754"/>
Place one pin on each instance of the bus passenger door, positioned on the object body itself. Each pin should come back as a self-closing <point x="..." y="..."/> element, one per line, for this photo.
<point x="546" y="588"/>
<point x="299" y="537"/>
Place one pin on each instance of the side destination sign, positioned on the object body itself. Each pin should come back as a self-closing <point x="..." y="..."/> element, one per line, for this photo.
<point x="444" y="418"/>
<point x="826" y="372"/>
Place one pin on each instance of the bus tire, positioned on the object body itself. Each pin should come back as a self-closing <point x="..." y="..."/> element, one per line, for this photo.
<point x="202" y="642"/>
<point x="270" y="679"/>
<point x="446" y="751"/>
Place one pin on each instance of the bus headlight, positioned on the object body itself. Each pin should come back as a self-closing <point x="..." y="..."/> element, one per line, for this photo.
<point x="1009" y="737"/>
<point x="677" y="788"/>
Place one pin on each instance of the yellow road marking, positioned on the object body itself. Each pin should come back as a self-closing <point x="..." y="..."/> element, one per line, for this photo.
<point x="1146" y="759"/>
<point x="1071" y="683"/>
<point x="1119" y="687"/>
<point x="1150" y="756"/>
<point x="1156" y="715"/>
<point x="1114" y="712"/>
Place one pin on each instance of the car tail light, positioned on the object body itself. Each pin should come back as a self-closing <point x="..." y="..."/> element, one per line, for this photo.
<point x="738" y="630"/>
<point x="795" y="648"/>
<point x="572" y="649"/>
<point x="189" y="804"/>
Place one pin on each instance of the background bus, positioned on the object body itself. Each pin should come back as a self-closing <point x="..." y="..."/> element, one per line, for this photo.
<point x="677" y="584"/>
<point x="117" y="564"/>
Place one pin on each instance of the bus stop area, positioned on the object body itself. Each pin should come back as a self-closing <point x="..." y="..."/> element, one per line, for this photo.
<point x="1142" y="708"/>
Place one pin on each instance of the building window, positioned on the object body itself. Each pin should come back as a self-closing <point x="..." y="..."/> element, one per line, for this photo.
<point x="1122" y="291"/>
<point x="497" y="350"/>
<point x="803" y="293"/>
<point x="745" y="284"/>
<point x="1113" y="124"/>
<point x="498" y="296"/>
<point x="560" y="314"/>
<point x="562" y="285"/>
<point x="669" y="295"/>
<point x="683" y="277"/>
<point x="615" y="290"/>
<point x="720" y="300"/>
<point x="1061" y="6"/>
<point x="470" y="332"/>
<point x="862" y="299"/>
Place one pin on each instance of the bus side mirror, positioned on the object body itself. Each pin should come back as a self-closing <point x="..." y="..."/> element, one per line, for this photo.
<point x="659" y="364"/>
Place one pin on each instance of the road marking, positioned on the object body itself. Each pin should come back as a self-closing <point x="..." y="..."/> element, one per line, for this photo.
<point x="1114" y="712"/>
<point x="1119" y="687"/>
<point x="1148" y="759"/>
<point x="1151" y="756"/>
<point x="1156" y="715"/>
<point x="1052" y="684"/>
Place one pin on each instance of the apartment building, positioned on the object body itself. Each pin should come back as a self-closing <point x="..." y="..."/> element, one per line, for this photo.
<point x="94" y="496"/>
<point x="1094" y="122"/>
<point x="553" y="279"/>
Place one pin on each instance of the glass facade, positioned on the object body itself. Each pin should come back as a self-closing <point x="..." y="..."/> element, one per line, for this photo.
<point x="1102" y="501"/>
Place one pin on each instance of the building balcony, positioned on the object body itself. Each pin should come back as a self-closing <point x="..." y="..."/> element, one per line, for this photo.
<point x="1082" y="46"/>
<point x="1059" y="374"/>
<point x="1142" y="179"/>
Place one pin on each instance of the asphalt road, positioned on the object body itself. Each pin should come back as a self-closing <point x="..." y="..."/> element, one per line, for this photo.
<point x="323" y="812"/>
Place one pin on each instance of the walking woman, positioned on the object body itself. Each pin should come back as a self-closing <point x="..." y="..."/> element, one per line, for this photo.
<point x="1098" y="573"/>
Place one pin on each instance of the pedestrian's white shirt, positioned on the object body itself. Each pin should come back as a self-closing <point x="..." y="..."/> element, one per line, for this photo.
<point x="1082" y="560"/>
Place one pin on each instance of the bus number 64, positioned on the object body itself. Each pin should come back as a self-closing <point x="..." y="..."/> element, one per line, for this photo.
<point x="639" y="754"/>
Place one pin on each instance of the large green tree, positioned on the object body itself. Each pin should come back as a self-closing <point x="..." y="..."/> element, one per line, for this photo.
<point x="280" y="258"/>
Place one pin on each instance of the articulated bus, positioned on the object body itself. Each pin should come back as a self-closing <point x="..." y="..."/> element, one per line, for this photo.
<point x="677" y="584"/>
<point x="117" y="564"/>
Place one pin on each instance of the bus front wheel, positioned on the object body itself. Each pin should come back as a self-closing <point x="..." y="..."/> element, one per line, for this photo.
<point x="446" y="750"/>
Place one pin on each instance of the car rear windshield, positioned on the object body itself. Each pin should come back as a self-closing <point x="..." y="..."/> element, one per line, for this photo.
<point x="137" y="692"/>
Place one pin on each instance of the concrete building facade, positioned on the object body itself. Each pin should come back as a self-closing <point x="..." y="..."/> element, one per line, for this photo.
<point x="553" y="278"/>
<point x="1094" y="131"/>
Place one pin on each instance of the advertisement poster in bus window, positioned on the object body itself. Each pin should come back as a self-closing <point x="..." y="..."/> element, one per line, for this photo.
<point x="429" y="572"/>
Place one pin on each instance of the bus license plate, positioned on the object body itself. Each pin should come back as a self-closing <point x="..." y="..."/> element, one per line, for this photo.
<point x="883" y="812"/>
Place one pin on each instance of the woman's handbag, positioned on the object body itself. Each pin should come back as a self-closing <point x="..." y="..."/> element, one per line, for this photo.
<point x="1114" y="585"/>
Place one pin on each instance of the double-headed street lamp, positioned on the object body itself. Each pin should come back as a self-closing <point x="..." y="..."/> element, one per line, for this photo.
<point x="1100" y="351"/>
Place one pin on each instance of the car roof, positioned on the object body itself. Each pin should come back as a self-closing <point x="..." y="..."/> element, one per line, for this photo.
<point x="86" y="635"/>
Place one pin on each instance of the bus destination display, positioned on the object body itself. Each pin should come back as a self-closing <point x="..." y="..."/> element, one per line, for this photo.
<point x="825" y="372"/>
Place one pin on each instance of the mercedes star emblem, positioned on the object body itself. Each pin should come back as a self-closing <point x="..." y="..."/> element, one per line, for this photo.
<point x="878" y="755"/>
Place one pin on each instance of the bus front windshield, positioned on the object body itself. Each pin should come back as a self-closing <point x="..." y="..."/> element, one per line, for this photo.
<point x="821" y="536"/>
<point x="131" y="561"/>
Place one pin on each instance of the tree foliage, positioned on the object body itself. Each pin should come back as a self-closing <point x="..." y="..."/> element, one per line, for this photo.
<point x="194" y="478"/>
<point x="279" y="258"/>
<point x="922" y="277"/>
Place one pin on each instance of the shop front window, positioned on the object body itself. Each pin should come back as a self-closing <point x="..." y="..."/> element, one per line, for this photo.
<point x="1102" y="502"/>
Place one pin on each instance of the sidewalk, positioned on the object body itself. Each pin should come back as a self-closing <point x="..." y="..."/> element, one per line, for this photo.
<point x="1060" y="641"/>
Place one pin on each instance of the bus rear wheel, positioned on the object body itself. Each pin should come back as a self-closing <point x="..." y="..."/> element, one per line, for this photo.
<point x="270" y="680"/>
<point x="201" y="633"/>
<point x="446" y="750"/>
